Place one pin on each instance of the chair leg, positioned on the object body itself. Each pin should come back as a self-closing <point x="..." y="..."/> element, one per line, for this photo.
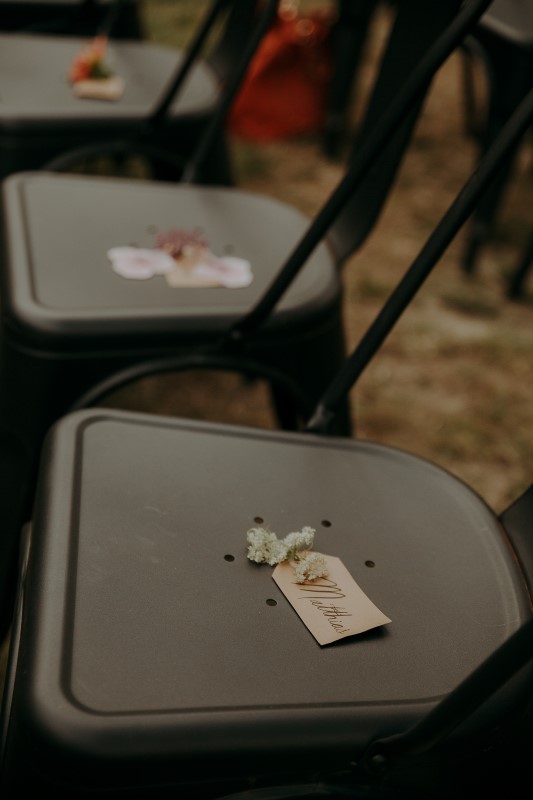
<point x="215" y="168"/>
<point x="475" y="114"/>
<point x="284" y="409"/>
<point x="27" y="392"/>
<point x="311" y="361"/>
<point x="349" y="36"/>
<point x="34" y="392"/>
<point x="289" y="420"/>
<point x="484" y="216"/>
<point x="509" y="73"/>
<point x="516" y="285"/>
<point x="15" y="488"/>
<point x="517" y="521"/>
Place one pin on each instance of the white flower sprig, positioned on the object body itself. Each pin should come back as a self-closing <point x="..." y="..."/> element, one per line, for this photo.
<point x="264" y="547"/>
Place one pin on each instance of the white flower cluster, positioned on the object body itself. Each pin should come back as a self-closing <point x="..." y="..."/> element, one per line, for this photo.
<point x="309" y="567"/>
<point x="264" y="547"/>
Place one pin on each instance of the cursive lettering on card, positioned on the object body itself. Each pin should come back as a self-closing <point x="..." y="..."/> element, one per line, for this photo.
<point x="318" y="603"/>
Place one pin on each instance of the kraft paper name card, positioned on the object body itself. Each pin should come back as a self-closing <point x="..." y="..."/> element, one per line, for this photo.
<point x="100" y="89"/>
<point x="333" y="607"/>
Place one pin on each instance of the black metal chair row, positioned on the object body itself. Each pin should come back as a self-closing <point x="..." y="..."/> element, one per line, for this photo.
<point x="70" y="321"/>
<point x="149" y="657"/>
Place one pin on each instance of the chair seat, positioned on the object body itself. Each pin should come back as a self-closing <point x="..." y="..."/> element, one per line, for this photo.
<point x="156" y="650"/>
<point x="35" y="92"/>
<point x="512" y="21"/>
<point x="62" y="287"/>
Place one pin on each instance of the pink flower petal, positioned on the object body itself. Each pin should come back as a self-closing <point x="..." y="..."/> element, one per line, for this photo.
<point x="137" y="263"/>
<point x="229" y="271"/>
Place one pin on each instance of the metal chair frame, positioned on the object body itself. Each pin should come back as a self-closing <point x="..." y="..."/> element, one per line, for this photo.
<point x="413" y="760"/>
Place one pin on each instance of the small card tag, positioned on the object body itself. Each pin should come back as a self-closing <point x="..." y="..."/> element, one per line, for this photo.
<point x="332" y="608"/>
<point x="199" y="267"/>
<point x="100" y="88"/>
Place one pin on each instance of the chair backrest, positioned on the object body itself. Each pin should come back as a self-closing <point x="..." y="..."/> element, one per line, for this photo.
<point x="338" y="216"/>
<point x="456" y="215"/>
<point x="237" y="29"/>
<point x="232" y="344"/>
<point x="417" y="24"/>
<point x="243" y="26"/>
<point x="517" y="651"/>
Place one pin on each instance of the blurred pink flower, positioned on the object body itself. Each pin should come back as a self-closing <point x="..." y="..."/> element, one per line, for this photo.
<point x="229" y="271"/>
<point x="140" y="264"/>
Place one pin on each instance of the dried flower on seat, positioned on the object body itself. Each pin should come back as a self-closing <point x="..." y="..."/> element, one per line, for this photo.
<point x="138" y="263"/>
<point x="264" y="547"/>
<point x="90" y="63"/>
<point x="91" y="77"/>
<point x="309" y="567"/>
<point x="300" y="540"/>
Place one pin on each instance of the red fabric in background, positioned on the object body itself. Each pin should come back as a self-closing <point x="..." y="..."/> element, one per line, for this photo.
<point x="285" y="91"/>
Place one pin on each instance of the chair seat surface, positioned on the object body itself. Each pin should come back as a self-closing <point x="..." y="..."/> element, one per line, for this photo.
<point x="61" y="282"/>
<point x="148" y="635"/>
<point x="34" y="90"/>
<point x="512" y="20"/>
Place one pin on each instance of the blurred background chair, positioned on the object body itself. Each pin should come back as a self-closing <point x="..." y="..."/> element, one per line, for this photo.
<point x="503" y="45"/>
<point x="69" y="321"/>
<point x="350" y="37"/>
<point x="72" y="17"/>
<point x="134" y="571"/>
<point x="522" y="269"/>
<point x="41" y="117"/>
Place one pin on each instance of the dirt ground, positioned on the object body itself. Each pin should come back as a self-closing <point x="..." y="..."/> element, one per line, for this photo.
<point x="453" y="382"/>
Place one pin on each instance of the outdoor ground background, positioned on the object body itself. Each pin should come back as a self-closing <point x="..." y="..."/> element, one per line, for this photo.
<point x="454" y="381"/>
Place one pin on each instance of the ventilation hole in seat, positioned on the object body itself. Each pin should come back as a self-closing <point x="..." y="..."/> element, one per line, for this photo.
<point x="326" y="523"/>
<point x="229" y="557"/>
<point x="271" y="602"/>
<point x="370" y="563"/>
<point x="259" y="520"/>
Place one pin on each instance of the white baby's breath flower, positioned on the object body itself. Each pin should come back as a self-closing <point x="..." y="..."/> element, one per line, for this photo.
<point x="309" y="567"/>
<point x="300" y="540"/>
<point x="264" y="547"/>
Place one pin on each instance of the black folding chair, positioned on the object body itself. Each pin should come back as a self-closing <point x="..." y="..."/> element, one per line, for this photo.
<point x="168" y="100"/>
<point x="151" y="657"/>
<point x="350" y="36"/>
<point x="502" y="44"/>
<point x="74" y="331"/>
